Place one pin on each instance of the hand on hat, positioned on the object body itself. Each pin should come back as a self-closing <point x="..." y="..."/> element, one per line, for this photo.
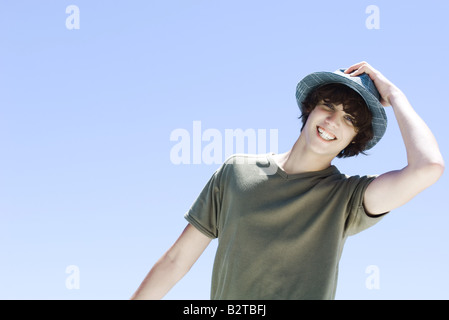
<point x="384" y="86"/>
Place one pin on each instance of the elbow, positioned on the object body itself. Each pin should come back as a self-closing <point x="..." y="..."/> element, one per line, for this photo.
<point x="438" y="169"/>
<point x="427" y="168"/>
<point x="431" y="172"/>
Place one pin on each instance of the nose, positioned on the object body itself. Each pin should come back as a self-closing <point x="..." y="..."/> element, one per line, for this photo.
<point x="333" y="120"/>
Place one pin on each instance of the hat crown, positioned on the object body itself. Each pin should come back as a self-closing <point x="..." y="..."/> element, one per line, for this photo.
<point x="363" y="80"/>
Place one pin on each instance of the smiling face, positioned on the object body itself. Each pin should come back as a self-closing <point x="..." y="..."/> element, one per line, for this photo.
<point x="339" y="117"/>
<point x="329" y="129"/>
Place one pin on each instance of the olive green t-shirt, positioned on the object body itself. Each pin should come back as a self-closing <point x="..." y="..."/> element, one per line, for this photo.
<point x="280" y="236"/>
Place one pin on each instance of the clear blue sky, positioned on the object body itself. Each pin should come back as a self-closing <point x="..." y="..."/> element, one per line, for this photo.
<point x="86" y="177"/>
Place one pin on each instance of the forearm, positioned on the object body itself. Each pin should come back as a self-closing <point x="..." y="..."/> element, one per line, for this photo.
<point x="161" y="278"/>
<point x="425" y="164"/>
<point x="421" y="146"/>
<point x="173" y="265"/>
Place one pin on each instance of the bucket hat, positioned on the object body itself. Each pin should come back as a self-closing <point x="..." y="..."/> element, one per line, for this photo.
<point x="362" y="84"/>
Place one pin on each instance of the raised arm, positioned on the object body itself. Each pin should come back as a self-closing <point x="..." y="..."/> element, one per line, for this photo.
<point x="173" y="265"/>
<point x="425" y="163"/>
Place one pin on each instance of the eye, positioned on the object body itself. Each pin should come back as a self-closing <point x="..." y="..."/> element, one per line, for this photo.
<point x="329" y="106"/>
<point x="350" y="119"/>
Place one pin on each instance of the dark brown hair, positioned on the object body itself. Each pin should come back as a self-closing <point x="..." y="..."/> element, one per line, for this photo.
<point x="353" y="104"/>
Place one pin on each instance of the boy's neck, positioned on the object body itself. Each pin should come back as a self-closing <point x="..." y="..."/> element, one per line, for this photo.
<point x="299" y="159"/>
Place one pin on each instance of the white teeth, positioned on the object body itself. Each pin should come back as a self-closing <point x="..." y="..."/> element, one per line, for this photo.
<point x="325" y="135"/>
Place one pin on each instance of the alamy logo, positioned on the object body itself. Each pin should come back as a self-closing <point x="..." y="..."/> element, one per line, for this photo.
<point x="212" y="147"/>
<point x="373" y="20"/>
<point x="373" y="280"/>
<point x="73" y="20"/>
<point x="73" y="280"/>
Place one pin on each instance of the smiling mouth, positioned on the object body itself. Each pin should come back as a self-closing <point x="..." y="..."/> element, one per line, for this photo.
<point x="325" y="135"/>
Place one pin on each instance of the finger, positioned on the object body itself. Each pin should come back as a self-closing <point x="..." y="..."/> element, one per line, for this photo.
<point x="367" y="69"/>
<point x="355" y="67"/>
<point x="363" y="69"/>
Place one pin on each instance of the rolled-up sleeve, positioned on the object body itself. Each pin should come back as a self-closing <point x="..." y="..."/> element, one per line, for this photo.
<point x="205" y="211"/>
<point x="358" y="218"/>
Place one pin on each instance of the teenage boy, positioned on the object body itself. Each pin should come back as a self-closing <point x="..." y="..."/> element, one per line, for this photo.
<point x="281" y="233"/>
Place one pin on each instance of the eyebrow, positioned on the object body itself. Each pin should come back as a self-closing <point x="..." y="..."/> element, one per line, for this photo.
<point x="334" y="105"/>
<point x="353" y="116"/>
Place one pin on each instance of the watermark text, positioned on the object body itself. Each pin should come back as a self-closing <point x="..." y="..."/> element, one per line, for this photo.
<point x="211" y="146"/>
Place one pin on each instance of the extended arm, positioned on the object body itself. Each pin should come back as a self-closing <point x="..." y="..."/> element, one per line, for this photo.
<point x="173" y="265"/>
<point x="425" y="163"/>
